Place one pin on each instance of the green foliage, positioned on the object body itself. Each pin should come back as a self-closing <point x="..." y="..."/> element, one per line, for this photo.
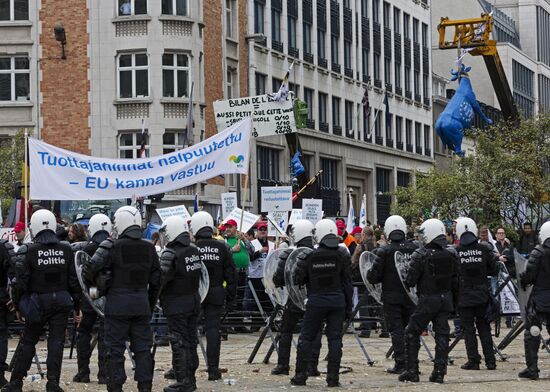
<point x="12" y="156"/>
<point x="507" y="180"/>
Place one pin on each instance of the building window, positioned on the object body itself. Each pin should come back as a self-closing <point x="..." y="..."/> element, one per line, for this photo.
<point x="129" y="144"/>
<point x="275" y="25"/>
<point x="321" y="44"/>
<point x="14" y="9"/>
<point x="389" y="138"/>
<point x="408" y="79"/>
<point x="424" y="35"/>
<point x="334" y="50"/>
<point x="416" y="83"/>
<point x="387" y="70"/>
<point x="383" y="180"/>
<point x="376" y="65"/>
<point x="268" y="163"/>
<point x="376" y="11"/>
<point x="397" y="75"/>
<point x="329" y="177"/>
<point x="415" y="30"/>
<point x="403" y="179"/>
<point x="396" y="19"/>
<point x="291" y="32"/>
<point x="14" y="79"/>
<point x="133" y="75"/>
<point x="386" y="15"/>
<point x="418" y="137"/>
<point x="322" y="108"/>
<point x="406" y="24"/>
<point x="524" y="88"/>
<point x="308" y="98"/>
<point x="399" y="131"/>
<point x="175" y="75"/>
<point x="425" y="87"/>
<point x="173" y="140"/>
<point x="335" y="111"/>
<point x="347" y="54"/>
<point x="543" y="36"/>
<point x="232" y="86"/>
<point x="276" y="84"/>
<point x="307" y="38"/>
<point x="260" y="83"/>
<point x="349" y="117"/>
<point x="544" y="94"/>
<point x="427" y="139"/>
<point x="365" y="63"/>
<point x="230" y="17"/>
<point x="408" y="134"/>
<point x="132" y="7"/>
<point x="174" y="7"/>
<point x="259" y="17"/>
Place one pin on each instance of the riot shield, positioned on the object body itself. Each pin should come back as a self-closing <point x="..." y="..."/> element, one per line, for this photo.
<point x="98" y="304"/>
<point x="365" y="264"/>
<point x="402" y="263"/>
<point x="279" y="295"/>
<point x="297" y="294"/>
<point x="204" y="284"/>
<point x="523" y="295"/>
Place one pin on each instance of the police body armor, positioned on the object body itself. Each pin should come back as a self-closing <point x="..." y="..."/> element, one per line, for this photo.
<point x="213" y="253"/>
<point x="543" y="276"/>
<point x="187" y="265"/>
<point x="324" y="271"/>
<point x="130" y="264"/>
<point x="49" y="266"/>
<point x="439" y="268"/>
<point x="390" y="280"/>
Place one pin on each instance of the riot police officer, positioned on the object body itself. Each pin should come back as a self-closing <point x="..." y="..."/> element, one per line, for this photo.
<point x="326" y="273"/>
<point x="217" y="257"/>
<point x="538" y="308"/>
<point x="476" y="261"/>
<point x="127" y="270"/>
<point x="397" y="304"/>
<point x="181" y="266"/>
<point x="7" y="264"/>
<point x="433" y="271"/>
<point x="302" y="235"/>
<point x="99" y="229"/>
<point x="46" y="290"/>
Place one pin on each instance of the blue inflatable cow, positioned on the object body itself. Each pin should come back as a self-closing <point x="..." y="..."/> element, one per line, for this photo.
<point x="459" y="112"/>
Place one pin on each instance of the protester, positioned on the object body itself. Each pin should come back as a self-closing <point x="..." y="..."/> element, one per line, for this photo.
<point x="527" y="240"/>
<point x="77" y="233"/>
<point x="347" y="239"/>
<point x="20" y="233"/>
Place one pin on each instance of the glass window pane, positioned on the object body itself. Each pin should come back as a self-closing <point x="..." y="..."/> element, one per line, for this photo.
<point x="4" y="9"/>
<point x="126" y="84"/>
<point x="140" y="7"/>
<point x="124" y="7"/>
<point x="21" y="63"/>
<point x="168" y="138"/>
<point x="5" y="63"/>
<point x="183" y="60"/>
<point x="167" y="7"/>
<point x="181" y="138"/>
<point x="142" y="83"/>
<point x="181" y="7"/>
<point x="167" y="83"/>
<point x="141" y="59"/>
<point x="125" y="60"/>
<point x="168" y="59"/>
<point x="22" y="87"/>
<point x="182" y="83"/>
<point x="126" y="154"/>
<point x="21" y="9"/>
<point x="5" y="87"/>
<point x="126" y="139"/>
<point x="138" y="139"/>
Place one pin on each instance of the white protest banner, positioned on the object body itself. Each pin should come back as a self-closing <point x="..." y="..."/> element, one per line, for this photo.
<point x="280" y="218"/>
<point x="508" y="301"/>
<point x="174" y="211"/>
<point x="8" y="234"/>
<point x="276" y="198"/>
<point x="229" y="203"/>
<point x="312" y="210"/>
<point x="249" y="219"/>
<point x="295" y="215"/>
<point x="58" y="174"/>
<point x="269" y="117"/>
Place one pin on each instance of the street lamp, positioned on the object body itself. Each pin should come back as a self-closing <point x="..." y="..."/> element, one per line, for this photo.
<point x="61" y="37"/>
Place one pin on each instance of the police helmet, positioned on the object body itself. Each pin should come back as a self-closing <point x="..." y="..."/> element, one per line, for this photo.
<point x="200" y="220"/>
<point x="464" y="225"/>
<point x="301" y="229"/>
<point x="172" y="227"/>
<point x="124" y="218"/>
<point x="431" y="229"/>
<point x="99" y="222"/>
<point x="544" y="232"/>
<point x="325" y="231"/>
<point x="395" y="223"/>
<point x="42" y="220"/>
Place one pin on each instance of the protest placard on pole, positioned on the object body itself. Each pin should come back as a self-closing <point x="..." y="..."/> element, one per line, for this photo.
<point x="270" y="117"/>
<point x="280" y="218"/>
<point x="295" y="214"/>
<point x="312" y="210"/>
<point x="248" y="219"/>
<point x="276" y="198"/>
<point x="180" y="210"/>
<point x="229" y="203"/>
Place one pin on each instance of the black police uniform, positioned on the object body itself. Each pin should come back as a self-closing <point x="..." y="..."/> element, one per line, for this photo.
<point x="86" y="326"/>
<point x="433" y="270"/>
<point x="476" y="261"/>
<point x="46" y="290"/>
<point x="128" y="270"/>
<point x="291" y="316"/>
<point x="538" y="308"/>
<point x="326" y="272"/>
<point x="397" y="304"/>
<point x="7" y="264"/>
<point x="218" y="259"/>
<point x="181" y="266"/>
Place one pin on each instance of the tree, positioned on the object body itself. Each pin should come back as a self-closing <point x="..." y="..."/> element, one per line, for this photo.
<point x="506" y="180"/>
<point x="12" y="157"/>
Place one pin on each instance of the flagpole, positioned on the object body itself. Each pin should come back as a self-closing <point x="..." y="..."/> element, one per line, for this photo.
<point x="26" y="181"/>
<point x="377" y="113"/>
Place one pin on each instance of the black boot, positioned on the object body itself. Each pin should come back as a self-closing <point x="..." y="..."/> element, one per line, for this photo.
<point x="214" y="374"/>
<point x="412" y="345"/>
<point x="312" y="370"/>
<point x="470" y="365"/>
<point x="531" y="345"/>
<point x="53" y="386"/>
<point x="13" y="386"/>
<point x="491" y="364"/>
<point x="83" y="375"/>
<point x="169" y="374"/>
<point x="280" y="369"/>
<point x="333" y="380"/>
<point x="114" y="387"/>
<point x="299" y="379"/>
<point x="529" y="373"/>
<point x="145" y="386"/>
<point x="398" y="368"/>
<point x="437" y="376"/>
